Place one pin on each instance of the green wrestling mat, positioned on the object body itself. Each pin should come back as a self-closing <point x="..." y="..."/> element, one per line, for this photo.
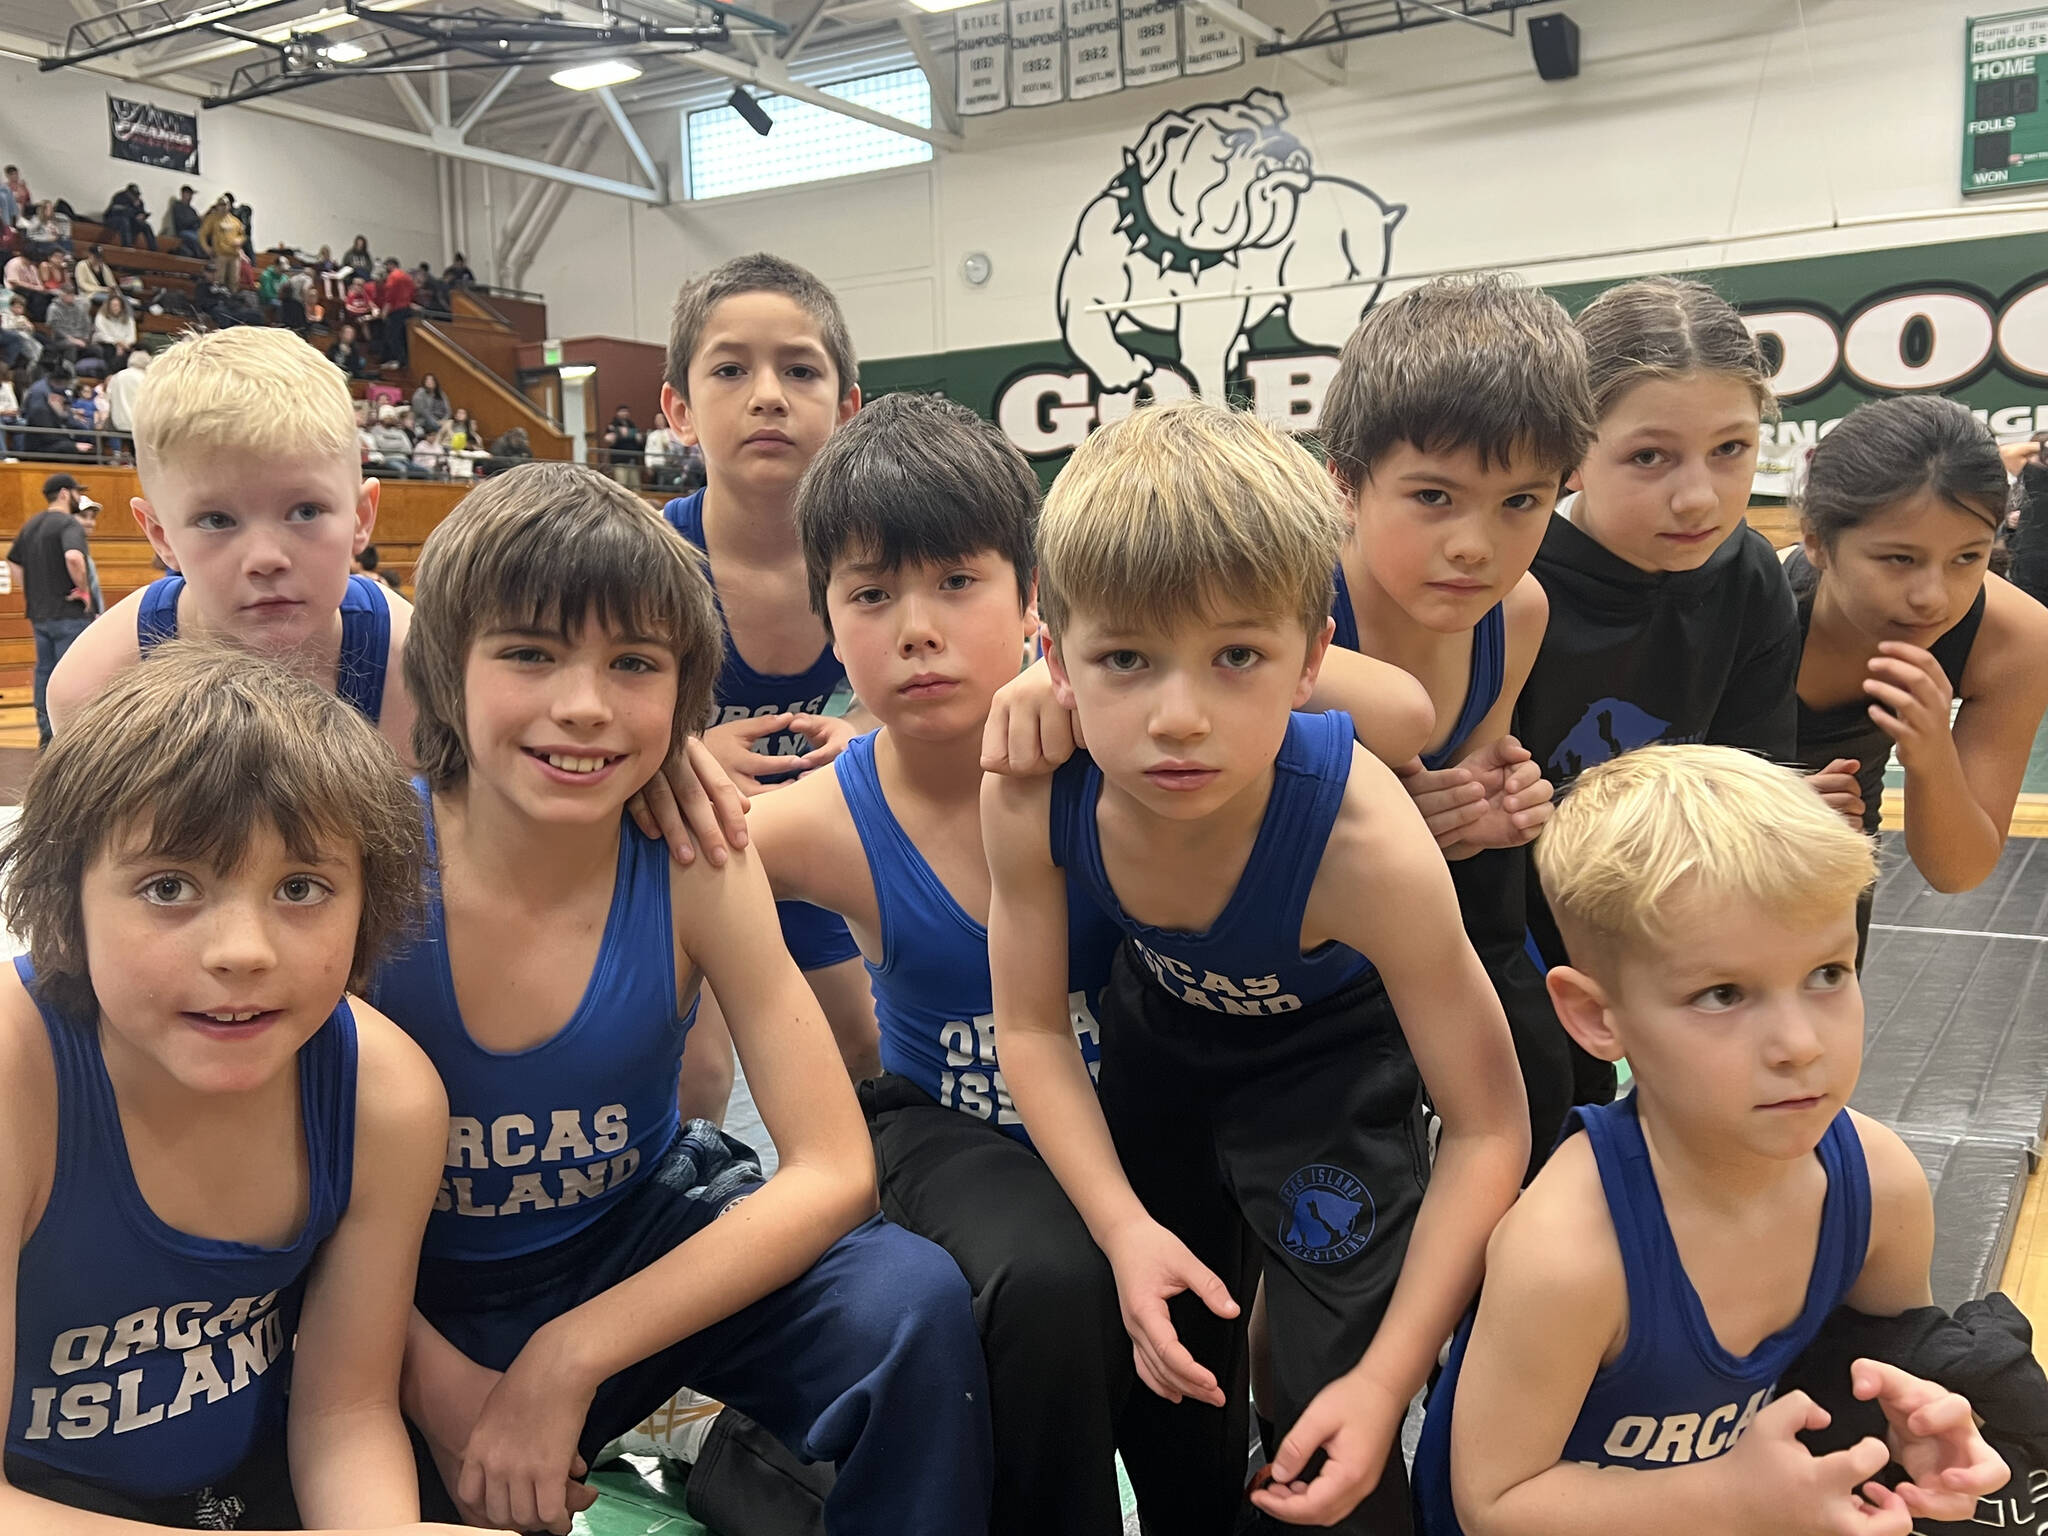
<point x="639" y="1497"/>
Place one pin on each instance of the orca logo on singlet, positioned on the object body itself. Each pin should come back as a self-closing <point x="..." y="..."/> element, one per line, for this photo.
<point x="1330" y="1215"/>
<point x="789" y="743"/>
<point x="1606" y="730"/>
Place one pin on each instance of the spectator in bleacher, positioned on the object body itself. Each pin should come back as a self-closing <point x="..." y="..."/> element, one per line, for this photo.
<point x="625" y="440"/>
<point x="270" y="284"/>
<point x="430" y="452"/>
<point x="24" y="202"/>
<point x="55" y="271"/>
<point x="296" y="302"/>
<point x="10" y="210"/>
<point x="88" y="410"/>
<point x="391" y="449"/>
<point x="46" y="412"/>
<point x="185" y="225"/>
<point x="69" y="321"/>
<point x="25" y="279"/>
<point x="464" y="434"/>
<point x="360" y="305"/>
<point x="365" y="564"/>
<point x="458" y="274"/>
<point x="10" y="415"/>
<point x="668" y="456"/>
<point x="358" y="261"/>
<point x="433" y="293"/>
<point x="509" y="448"/>
<point x="246" y="217"/>
<point x="347" y="354"/>
<point x="429" y="404"/>
<point x="93" y="276"/>
<point x="121" y="391"/>
<point x="47" y="231"/>
<point x="113" y="331"/>
<point x="20" y="347"/>
<point x="127" y="220"/>
<point x="396" y="296"/>
<point x="49" y="561"/>
<point x="224" y="245"/>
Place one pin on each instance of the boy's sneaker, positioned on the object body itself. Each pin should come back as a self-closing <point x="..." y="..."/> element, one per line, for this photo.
<point x="673" y="1432"/>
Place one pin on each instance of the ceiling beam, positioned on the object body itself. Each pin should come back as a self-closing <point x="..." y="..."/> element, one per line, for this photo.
<point x="771" y="75"/>
<point x="943" y="110"/>
<point x="409" y="98"/>
<point x="489" y="99"/>
<point x="617" y="114"/>
<point x="790" y="44"/>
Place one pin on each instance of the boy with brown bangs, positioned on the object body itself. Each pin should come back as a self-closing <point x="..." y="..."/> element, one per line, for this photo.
<point x="217" y="1165"/>
<point x="1293" y="956"/>
<point x="1456" y="411"/>
<point x="1668" y="1264"/>
<point x="760" y="372"/>
<point x="590" y="1252"/>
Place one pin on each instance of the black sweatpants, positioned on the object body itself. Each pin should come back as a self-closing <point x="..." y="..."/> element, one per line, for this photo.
<point x="1059" y="1362"/>
<point x="1290" y="1147"/>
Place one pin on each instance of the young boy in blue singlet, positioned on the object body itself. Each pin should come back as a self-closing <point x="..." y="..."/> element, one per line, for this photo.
<point x="590" y="1253"/>
<point x="1670" y="1262"/>
<point x="760" y="373"/>
<point x="1289" y="921"/>
<point x="254" y="496"/>
<point x="217" y="1165"/>
<point x="916" y="522"/>
<point x="1455" y="413"/>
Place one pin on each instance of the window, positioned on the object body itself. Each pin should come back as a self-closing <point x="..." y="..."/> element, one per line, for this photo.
<point x="808" y="143"/>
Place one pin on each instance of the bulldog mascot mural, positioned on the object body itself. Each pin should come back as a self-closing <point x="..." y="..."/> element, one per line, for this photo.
<point x="1219" y="204"/>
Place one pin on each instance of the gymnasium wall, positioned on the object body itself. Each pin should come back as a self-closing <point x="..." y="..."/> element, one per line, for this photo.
<point x="306" y="185"/>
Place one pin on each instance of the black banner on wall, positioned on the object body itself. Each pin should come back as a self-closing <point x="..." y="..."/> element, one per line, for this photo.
<point x="153" y="135"/>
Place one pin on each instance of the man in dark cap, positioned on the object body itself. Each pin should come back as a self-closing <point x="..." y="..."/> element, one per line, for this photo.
<point x="52" y="564"/>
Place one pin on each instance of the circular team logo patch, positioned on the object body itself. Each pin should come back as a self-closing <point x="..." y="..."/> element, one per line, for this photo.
<point x="1330" y="1215"/>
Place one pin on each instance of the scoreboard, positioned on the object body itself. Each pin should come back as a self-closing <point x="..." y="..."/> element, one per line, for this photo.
<point x="2005" y="132"/>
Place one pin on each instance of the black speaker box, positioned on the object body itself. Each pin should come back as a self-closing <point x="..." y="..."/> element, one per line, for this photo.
<point x="1554" y="40"/>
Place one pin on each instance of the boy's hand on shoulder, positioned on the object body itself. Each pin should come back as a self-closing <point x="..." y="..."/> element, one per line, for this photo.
<point x="692" y="802"/>
<point x="1933" y="1435"/>
<point x="1028" y="732"/>
<point x="520" y="1459"/>
<point x="1836" y="784"/>
<point x="1354" y="1421"/>
<point x="828" y="736"/>
<point x="1152" y="1266"/>
<point x="732" y="745"/>
<point x="1774" y="1484"/>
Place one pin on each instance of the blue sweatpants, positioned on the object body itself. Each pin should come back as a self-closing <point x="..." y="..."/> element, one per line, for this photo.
<point x="869" y="1360"/>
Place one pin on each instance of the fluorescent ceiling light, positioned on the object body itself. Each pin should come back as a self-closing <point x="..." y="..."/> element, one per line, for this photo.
<point x="588" y="77"/>
<point x="345" y="53"/>
<point x="575" y="371"/>
<point x="942" y="5"/>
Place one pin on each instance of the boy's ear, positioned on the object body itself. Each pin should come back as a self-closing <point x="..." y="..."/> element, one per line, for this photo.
<point x="1816" y="551"/>
<point x="677" y="410"/>
<point x="848" y="404"/>
<point x="1312" y="664"/>
<point x="367" y="500"/>
<point x="153" y="530"/>
<point x="1056" y="669"/>
<point x="1582" y="1008"/>
<point x="1574" y="482"/>
<point x="1033" y="629"/>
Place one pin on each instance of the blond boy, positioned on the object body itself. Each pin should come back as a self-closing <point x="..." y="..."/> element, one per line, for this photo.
<point x="1685" y="1244"/>
<point x="1294" y="956"/>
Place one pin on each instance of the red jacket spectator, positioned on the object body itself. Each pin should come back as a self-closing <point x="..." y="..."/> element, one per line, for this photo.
<point x="398" y="289"/>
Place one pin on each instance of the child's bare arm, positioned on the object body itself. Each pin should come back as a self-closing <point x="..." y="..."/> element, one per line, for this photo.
<point x="105" y="649"/>
<point x="394" y="722"/>
<point x="524" y="1442"/>
<point x="807" y="842"/>
<point x="1895" y="1270"/>
<point x="1390" y="711"/>
<point x="1385" y="891"/>
<point x="1047" y="1077"/>
<point x="349" y="1456"/>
